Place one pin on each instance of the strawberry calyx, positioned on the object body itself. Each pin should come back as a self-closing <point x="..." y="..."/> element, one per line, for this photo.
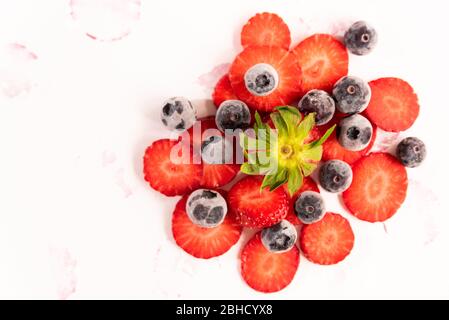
<point x="284" y="155"/>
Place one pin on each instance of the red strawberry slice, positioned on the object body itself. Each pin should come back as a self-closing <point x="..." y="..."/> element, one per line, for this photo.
<point x="266" y="29"/>
<point x="394" y="105"/>
<point x="201" y="242"/>
<point x="223" y="91"/>
<point x="201" y="130"/>
<point x="283" y="61"/>
<point x="168" y="177"/>
<point x="266" y="271"/>
<point x="328" y="241"/>
<point x="256" y="208"/>
<point x="307" y="185"/>
<point x="323" y="60"/>
<point x="378" y="189"/>
<point x="333" y="150"/>
<point x="218" y="175"/>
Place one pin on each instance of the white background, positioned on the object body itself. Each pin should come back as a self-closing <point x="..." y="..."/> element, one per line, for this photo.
<point x="77" y="220"/>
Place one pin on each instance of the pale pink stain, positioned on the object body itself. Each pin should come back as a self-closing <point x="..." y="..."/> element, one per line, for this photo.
<point x="338" y="29"/>
<point x="108" y="158"/>
<point x="16" y="63"/>
<point x="65" y="272"/>
<point x="106" y="20"/>
<point x="122" y="184"/>
<point x="385" y="141"/>
<point x="210" y="79"/>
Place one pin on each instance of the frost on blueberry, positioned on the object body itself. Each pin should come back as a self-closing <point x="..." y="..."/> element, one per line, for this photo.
<point x="261" y="79"/>
<point x="232" y="115"/>
<point x="352" y="94"/>
<point x="361" y="38"/>
<point x="319" y="102"/>
<point x="354" y="133"/>
<point x="206" y="208"/>
<point x="335" y="176"/>
<point x="178" y="114"/>
<point x="411" y="152"/>
<point x="309" y="207"/>
<point x="279" y="238"/>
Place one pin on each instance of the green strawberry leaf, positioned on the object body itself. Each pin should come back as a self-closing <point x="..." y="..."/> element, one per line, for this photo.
<point x="279" y="123"/>
<point x="304" y="128"/>
<point x="308" y="168"/>
<point x="312" y="154"/>
<point x="323" y="139"/>
<point x="291" y="117"/>
<point x="294" y="181"/>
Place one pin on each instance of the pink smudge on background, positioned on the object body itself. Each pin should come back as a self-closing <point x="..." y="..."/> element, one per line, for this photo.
<point x="65" y="272"/>
<point x="121" y="183"/>
<point x="210" y="79"/>
<point x="16" y="66"/>
<point x="106" y="20"/>
<point x="338" y="29"/>
<point x="108" y="158"/>
<point x="386" y="141"/>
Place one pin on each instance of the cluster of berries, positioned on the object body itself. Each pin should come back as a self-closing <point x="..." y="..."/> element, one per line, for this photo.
<point x="264" y="78"/>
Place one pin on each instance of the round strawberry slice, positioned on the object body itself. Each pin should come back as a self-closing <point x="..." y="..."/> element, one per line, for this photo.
<point x="223" y="91"/>
<point x="171" y="177"/>
<point x="267" y="271"/>
<point x="378" y="189"/>
<point x="393" y="106"/>
<point x="307" y="185"/>
<point x="256" y="208"/>
<point x="323" y="59"/>
<point x="332" y="149"/>
<point x="327" y="241"/>
<point x="285" y="75"/>
<point x="218" y="175"/>
<point x="266" y="29"/>
<point x="204" y="243"/>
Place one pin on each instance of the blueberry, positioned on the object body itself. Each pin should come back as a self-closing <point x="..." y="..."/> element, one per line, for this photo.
<point x="206" y="208"/>
<point x="352" y="94"/>
<point x="321" y="103"/>
<point x="233" y="114"/>
<point x="261" y="79"/>
<point x="361" y="38"/>
<point x="279" y="238"/>
<point x="335" y="176"/>
<point x="217" y="150"/>
<point x="354" y="133"/>
<point x="178" y="114"/>
<point x="309" y="207"/>
<point x="411" y="152"/>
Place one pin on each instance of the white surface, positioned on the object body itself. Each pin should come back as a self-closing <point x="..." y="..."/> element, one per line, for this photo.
<point x="75" y="213"/>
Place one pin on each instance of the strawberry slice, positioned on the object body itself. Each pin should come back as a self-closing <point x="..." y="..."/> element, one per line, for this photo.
<point x="328" y="241"/>
<point x="323" y="60"/>
<point x="218" y="175"/>
<point x="201" y="130"/>
<point x="394" y="105"/>
<point x="204" y="243"/>
<point x="378" y="189"/>
<point x="307" y="185"/>
<point x="166" y="176"/>
<point x="333" y="150"/>
<point x="266" y="271"/>
<point x="266" y="29"/>
<point x="286" y="66"/>
<point x="256" y="208"/>
<point x="223" y="91"/>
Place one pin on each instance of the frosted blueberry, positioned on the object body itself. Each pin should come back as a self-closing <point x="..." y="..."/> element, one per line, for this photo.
<point x="354" y="132"/>
<point x="261" y="79"/>
<point x="361" y="38"/>
<point x="335" y="176"/>
<point x="279" y="238"/>
<point x="217" y="150"/>
<point x="309" y="207"/>
<point x="178" y="114"/>
<point x="411" y="152"/>
<point x="352" y="94"/>
<point x="206" y="208"/>
<point x="233" y="114"/>
<point x="321" y="103"/>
